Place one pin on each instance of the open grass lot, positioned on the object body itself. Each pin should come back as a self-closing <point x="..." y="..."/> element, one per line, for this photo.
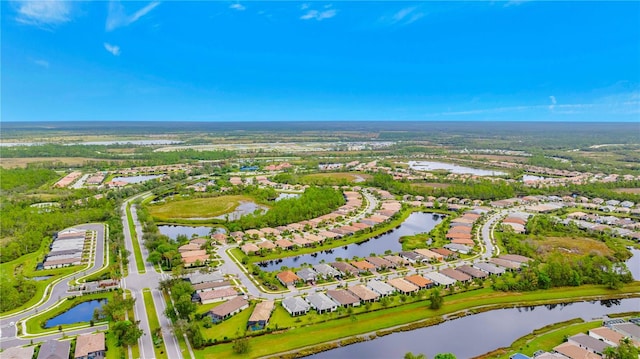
<point x="430" y="185"/>
<point x="69" y="161"/>
<point x="197" y="207"/>
<point x="154" y="323"/>
<point x="336" y="177"/>
<point x="628" y="190"/>
<point x="301" y="335"/>
<point x="573" y="246"/>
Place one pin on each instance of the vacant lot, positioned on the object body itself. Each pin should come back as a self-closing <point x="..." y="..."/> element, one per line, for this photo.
<point x="197" y="207"/>
<point x="628" y="190"/>
<point x="23" y="162"/>
<point x="575" y="246"/>
<point x="339" y="176"/>
<point x="430" y="185"/>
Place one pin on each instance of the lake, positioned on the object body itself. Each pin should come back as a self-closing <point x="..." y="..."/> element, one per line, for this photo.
<point x="82" y="312"/>
<point x="526" y="178"/>
<point x="430" y="166"/>
<point x="283" y="195"/>
<point x="634" y="263"/>
<point x="172" y="231"/>
<point x="245" y="207"/>
<point x="478" y="334"/>
<point x="136" y="179"/>
<point x="417" y="222"/>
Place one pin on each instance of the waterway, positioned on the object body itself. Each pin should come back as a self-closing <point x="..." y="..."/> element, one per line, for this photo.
<point x="634" y="264"/>
<point x="430" y="166"/>
<point x="136" y="179"/>
<point x="417" y="222"/>
<point x="245" y="207"/>
<point x="82" y="312"/>
<point x="478" y="334"/>
<point x="172" y="231"/>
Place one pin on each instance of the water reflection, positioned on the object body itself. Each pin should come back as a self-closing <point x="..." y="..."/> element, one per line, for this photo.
<point x="414" y="224"/>
<point x="481" y="332"/>
<point x="172" y="231"/>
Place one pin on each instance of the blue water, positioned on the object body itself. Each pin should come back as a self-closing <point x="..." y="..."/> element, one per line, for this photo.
<point x="173" y="231"/>
<point x="82" y="312"/>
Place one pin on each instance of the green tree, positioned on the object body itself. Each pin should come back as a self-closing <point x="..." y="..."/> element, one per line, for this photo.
<point x="127" y="332"/>
<point x="444" y="356"/>
<point x="410" y="355"/>
<point x="241" y="346"/>
<point x="625" y="350"/>
<point x="436" y="299"/>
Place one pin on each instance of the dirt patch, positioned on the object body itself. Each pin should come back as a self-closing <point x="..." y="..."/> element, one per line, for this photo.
<point x="572" y="246"/>
<point x="628" y="190"/>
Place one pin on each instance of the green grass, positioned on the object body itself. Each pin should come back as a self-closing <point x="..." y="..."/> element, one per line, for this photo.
<point x="197" y="207"/>
<point x="333" y="177"/>
<point x="137" y="253"/>
<point x="305" y="335"/>
<point x="34" y="323"/>
<point x="135" y="351"/>
<point x="233" y="327"/>
<point x="154" y="323"/>
<point x="114" y="351"/>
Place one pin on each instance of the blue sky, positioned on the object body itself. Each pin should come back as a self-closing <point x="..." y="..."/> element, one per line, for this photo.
<point x="310" y="61"/>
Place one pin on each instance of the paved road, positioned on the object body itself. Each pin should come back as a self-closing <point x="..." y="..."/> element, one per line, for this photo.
<point x="137" y="282"/>
<point x="57" y="291"/>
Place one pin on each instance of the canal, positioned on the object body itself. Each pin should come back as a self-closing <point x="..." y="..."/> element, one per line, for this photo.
<point x="477" y="334"/>
<point x="417" y="222"/>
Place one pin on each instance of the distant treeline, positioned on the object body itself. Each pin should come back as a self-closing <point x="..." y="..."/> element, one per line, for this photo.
<point x="141" y="154"/>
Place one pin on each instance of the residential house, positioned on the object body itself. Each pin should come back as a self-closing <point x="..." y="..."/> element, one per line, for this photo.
<point x="456" y="275"/>
<point x="228" y="309"/>
<point x="295" y="306"/>
<point x="344" y="298"/>
<point x="217" y="295"/>
<point x="288" y="278"/>
<point x="380" y="263"/>
<point x="363" y="266"/>
<point x="490" y="268"/>
<point x="54" y="349"/>
<point x="588" y="343"/>
<point x="321" y="302"/>
<point x="259" y="319"/>
<point x="419" y="281"/>
<point x="440" y="279"/>
<point x="473" y="272"/>
<point x="573" y="351"/>
<point x="403" y="286"/>
<point x="307" y="274"/>
<point x="90" y="346"/>
<point x="363" y="293"/>
<point x="381" y="288"/>
<point x="18" y="353"/>
<point x="326" y="271"/>
<point x="345" y="267"/>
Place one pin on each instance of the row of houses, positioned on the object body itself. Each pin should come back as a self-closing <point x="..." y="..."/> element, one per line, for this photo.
<point x="68" y="179"/>
<point x="192" y="253"/>
<point x="592" y="345"/>
<point x="88" y="346"/>
<point x="461" y="228"/>
<point x="67" y="248"/>
<point x="516" y="222"/>
<point x="623" y="227"/>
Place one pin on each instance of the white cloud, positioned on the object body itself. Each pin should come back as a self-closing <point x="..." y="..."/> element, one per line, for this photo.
<point x="43" y="13"/>
<point x="237" y="6"/>
<point x="113" y="49"/>
<point x="319" y="15"/>
<point x="305" y="6"/>
<point x="553" y="103"/>
<point x="515" y="2"/>
<point x="118" y="18"/>
<point x="404" y="16"/>
<point x="42" y="63"/>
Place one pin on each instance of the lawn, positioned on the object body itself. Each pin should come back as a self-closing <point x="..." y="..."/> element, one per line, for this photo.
<point x="154" y="324"/>
<point x="197" y="207"/>
<point x="137" y="253"/>
<point x="301" y="335"/>
<point x="334" y="178"/>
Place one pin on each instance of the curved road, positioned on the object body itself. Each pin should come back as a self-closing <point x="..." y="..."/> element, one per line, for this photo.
<point x="57" y="291"/>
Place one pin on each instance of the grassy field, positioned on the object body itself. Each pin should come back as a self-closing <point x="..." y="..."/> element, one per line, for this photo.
<point x="154" y="324"/>
<point x="628" y="190"/>
<point x="301" y="335"/>
<point x="232" y="327"/>
<point x="336" y="177"/>
<point x="137" y="253"/>
<point x="573" y="246"/>
<point x="197" y="207"/>
<point x="69" y="161"/>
